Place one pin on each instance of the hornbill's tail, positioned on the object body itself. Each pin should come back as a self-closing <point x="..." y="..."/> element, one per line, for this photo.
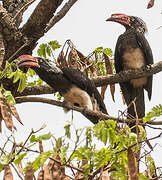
<point x="136" y="108"/>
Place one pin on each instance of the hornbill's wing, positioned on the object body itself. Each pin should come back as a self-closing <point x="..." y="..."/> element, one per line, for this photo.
<point x="125" y="86"/>
<point x="80" y="80"/>
<point x="146" y="49"/>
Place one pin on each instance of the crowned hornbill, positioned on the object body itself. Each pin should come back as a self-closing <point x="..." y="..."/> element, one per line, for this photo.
<point x="72" y="84"/>
<point x="132" y="51"/>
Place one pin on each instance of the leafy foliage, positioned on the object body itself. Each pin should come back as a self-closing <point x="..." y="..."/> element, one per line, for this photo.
<point x="40" y="160"/>
<point x="103" y="147"/>
<point x="155" y="112"/>
<point x="40" y="138"/>
<point x="46" y="49"/>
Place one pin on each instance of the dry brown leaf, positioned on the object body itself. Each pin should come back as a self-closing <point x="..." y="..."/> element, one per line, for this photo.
<point x="20" y="168"/>
<point x="82" y="57"/>
<point x="150" y="4"/>
<point x="40" y="146"/>
<point x="7" y="117"/>
<point x="105" y="176"/>
<point x="132" y="166"/>
<point x="14" y="112"/>
<point x="47" y="173"/>
<point x="79" y="175"/>
<point x="29" y="173"/>
<point x="103" y="90"/>
<point x="40" y="175"/>
<point x="0" y="122"/>
<point x="7" y="173"/>
<point x="112" y="90"/>
<point x="55" y="170"/>
<point x="6" y="111"/>
<point x="86" y="62"/>
<point x="109" y="70"/>
<point x="73" y="60"/>
<point x="61" y="60"/>
<point x="66" y="178"/>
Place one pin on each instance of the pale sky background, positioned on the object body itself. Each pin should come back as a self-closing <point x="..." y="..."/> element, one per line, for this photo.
<point x="85" y="24"/>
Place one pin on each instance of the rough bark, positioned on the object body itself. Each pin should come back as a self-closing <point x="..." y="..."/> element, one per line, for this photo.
<point x="15" y="41"/>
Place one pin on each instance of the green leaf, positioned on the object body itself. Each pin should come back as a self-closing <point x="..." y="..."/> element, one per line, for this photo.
<point x="40" y="138"/>
<point x="54" y="45"/>
<point x="1" y="167"/>
<point x="17" y="75"/>
<point x="9" y="97"/>
<point x="108" y="51"/>
<point x="22" y="82"/>
<point x="150" y="165"/>
<point x="48" y="50"/>
<point x="39" y="82"/>
<point x="83" y="152"/>
<point x="63" y="153"/>
<point x="40" y="160"/>
<point x="155" y="112"/>
<point x="19" y="158"/>
<point x="31" y="72"/>
<point x="33" y="138"/>
<point x="59" y="97"/>
<point x="11" y="75"/>
<point x="59" y="142"/>
<point x="67" y="130"/>
<point x="99" y="49"/>
<point x="5" y="159"/>
<point x="105" y="131"/>
<point x="142" y="177"/>
<point x="42" y="50"/>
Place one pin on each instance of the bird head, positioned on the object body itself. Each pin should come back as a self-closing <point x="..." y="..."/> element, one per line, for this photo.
<point x="129" y="22"/>
<point x="38" y="64"/>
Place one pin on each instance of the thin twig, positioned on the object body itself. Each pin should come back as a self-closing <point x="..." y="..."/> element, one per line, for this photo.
<point x="60" y="14"/>
<point x="16" y="171"/>
<point x="27" y="4"/>
<point x="14" y="54"/>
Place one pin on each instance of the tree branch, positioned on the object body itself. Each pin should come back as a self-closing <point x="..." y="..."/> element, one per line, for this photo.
<point x="78" y="109"/>
<point x="36" y="24"/>
<point x="7" y="21"/>
<point x="22" y="9"/>
<point x="60" y="14"/>
<point x="36" y="90"/>
<point x="101" y="80"/>
<point x="128" y="75"/>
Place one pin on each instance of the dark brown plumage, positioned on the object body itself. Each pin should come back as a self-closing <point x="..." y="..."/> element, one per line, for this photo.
<point x="72" y="84"/>
<point x="132" y="51"/>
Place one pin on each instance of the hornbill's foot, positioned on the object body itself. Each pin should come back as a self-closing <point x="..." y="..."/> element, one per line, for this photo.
<point x="149" y="66"/>
<point x="65" y="103"/>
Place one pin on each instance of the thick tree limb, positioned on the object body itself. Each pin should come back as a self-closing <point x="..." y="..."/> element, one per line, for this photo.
<point x="35" y="26"/>
<point x="60" y="14"/>
<point x="7" y="21"/>
<point x="36" y="90"/>
<point x="87" y="112"/>
<point x="100" y="81"/>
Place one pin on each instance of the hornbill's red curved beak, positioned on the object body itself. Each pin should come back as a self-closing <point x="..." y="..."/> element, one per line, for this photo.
<point x="27" y="61"/>
<point x="119" y="18"/>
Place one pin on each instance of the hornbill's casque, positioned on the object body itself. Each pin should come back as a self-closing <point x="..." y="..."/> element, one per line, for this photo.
<point x="132" y="51"/>
<point x="72" y="84"/>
